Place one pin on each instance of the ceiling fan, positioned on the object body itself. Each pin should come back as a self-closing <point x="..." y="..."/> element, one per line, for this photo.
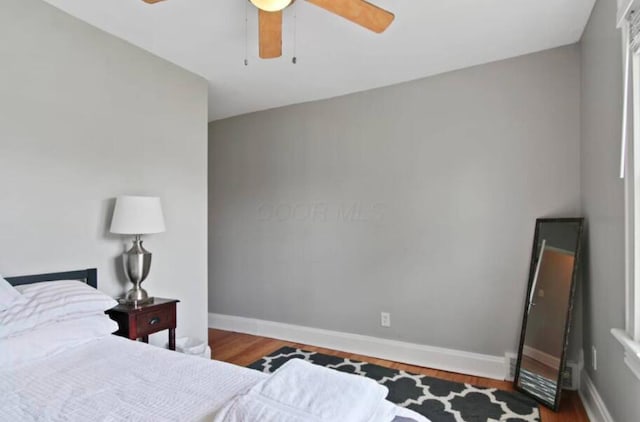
<point x="360" y="12"/>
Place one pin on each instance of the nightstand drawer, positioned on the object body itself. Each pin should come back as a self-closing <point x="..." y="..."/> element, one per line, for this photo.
<point x="138" y="321"/>
<point x="156" y="320"/>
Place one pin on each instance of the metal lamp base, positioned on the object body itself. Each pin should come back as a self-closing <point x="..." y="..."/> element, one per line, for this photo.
<point x="136" y="296"/>
<point x="137" y="263"/>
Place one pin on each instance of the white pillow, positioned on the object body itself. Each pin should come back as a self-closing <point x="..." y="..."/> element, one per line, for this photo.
<point x="52" y="301"/>
<point x="8" y="294"/>
<point x="54" y="338"/>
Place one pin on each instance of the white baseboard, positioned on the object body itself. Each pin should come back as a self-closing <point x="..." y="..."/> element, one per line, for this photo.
<point x="541" y="356"/>
<point x="593" y="403"/>
<point x="415" y="354"/>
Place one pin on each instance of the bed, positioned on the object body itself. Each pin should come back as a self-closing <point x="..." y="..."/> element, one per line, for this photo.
<point x="45" y="376"/>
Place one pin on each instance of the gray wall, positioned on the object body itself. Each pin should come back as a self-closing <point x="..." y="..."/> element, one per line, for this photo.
<point x="85" y="117"/>
<point x="417" y="199"/>
<point x="603" y="205"/>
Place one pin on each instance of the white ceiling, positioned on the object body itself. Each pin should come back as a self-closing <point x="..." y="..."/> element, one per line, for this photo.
<point x="335" y="57"/>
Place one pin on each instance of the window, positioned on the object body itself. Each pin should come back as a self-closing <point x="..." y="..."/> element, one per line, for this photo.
<point x="630" y="170"/>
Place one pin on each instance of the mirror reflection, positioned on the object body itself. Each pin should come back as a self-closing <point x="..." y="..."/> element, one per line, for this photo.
<point x="548" y="309"/>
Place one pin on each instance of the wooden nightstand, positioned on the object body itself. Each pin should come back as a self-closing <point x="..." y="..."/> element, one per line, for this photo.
<point x="142" y="320"/>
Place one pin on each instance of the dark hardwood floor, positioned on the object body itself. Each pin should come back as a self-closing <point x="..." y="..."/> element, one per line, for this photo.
<point x="243" y="349"/>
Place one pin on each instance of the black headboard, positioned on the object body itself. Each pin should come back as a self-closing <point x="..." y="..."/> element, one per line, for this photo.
<point x="90" y="276"/>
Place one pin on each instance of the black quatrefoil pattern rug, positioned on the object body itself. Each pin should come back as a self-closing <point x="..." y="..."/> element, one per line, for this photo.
<point x="436" y="399"/>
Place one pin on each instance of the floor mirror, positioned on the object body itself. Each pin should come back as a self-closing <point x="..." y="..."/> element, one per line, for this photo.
<point x="547" y="311"/>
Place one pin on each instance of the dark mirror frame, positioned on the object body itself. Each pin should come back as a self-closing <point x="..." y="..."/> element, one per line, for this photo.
<point x="532" y="269"/>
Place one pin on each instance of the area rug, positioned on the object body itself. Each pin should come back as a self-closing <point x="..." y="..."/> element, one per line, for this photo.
<point x="438" y="400"/>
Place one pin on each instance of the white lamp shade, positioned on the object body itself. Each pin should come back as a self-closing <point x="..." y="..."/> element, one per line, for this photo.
<point x="137" y="215"/>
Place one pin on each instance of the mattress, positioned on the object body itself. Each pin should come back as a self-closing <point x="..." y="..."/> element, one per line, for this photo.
<point x="115" y="379"/>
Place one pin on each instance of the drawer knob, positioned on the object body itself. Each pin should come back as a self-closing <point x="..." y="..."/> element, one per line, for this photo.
<point x="154" y="320"/>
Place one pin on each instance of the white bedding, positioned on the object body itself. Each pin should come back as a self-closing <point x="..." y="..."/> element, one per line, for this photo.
<point x="319" y="395"/>
<point x="51" y="301"/>
<point x="54" y="338"/>
<point x="115" y="379"/>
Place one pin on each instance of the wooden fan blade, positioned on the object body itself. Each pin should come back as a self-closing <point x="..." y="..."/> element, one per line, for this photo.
<point x="270" y="34"/>
<point x="152" y="1"/>
<point x="358" y="11"/>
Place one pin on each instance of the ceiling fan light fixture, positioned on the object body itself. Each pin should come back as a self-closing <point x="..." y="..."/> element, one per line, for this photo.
<point x="271" y="5"/>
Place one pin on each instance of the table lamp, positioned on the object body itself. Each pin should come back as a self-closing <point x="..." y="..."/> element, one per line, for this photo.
<point x="137" y="215"/>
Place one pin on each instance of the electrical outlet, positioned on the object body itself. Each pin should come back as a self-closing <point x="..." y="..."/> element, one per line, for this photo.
<point x="594" y="358"/>
<point x="385" y="319"/>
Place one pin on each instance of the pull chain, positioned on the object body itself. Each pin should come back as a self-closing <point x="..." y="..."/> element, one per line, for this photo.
<point x="294" y="60"/>
<point x="246" y="33"/>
